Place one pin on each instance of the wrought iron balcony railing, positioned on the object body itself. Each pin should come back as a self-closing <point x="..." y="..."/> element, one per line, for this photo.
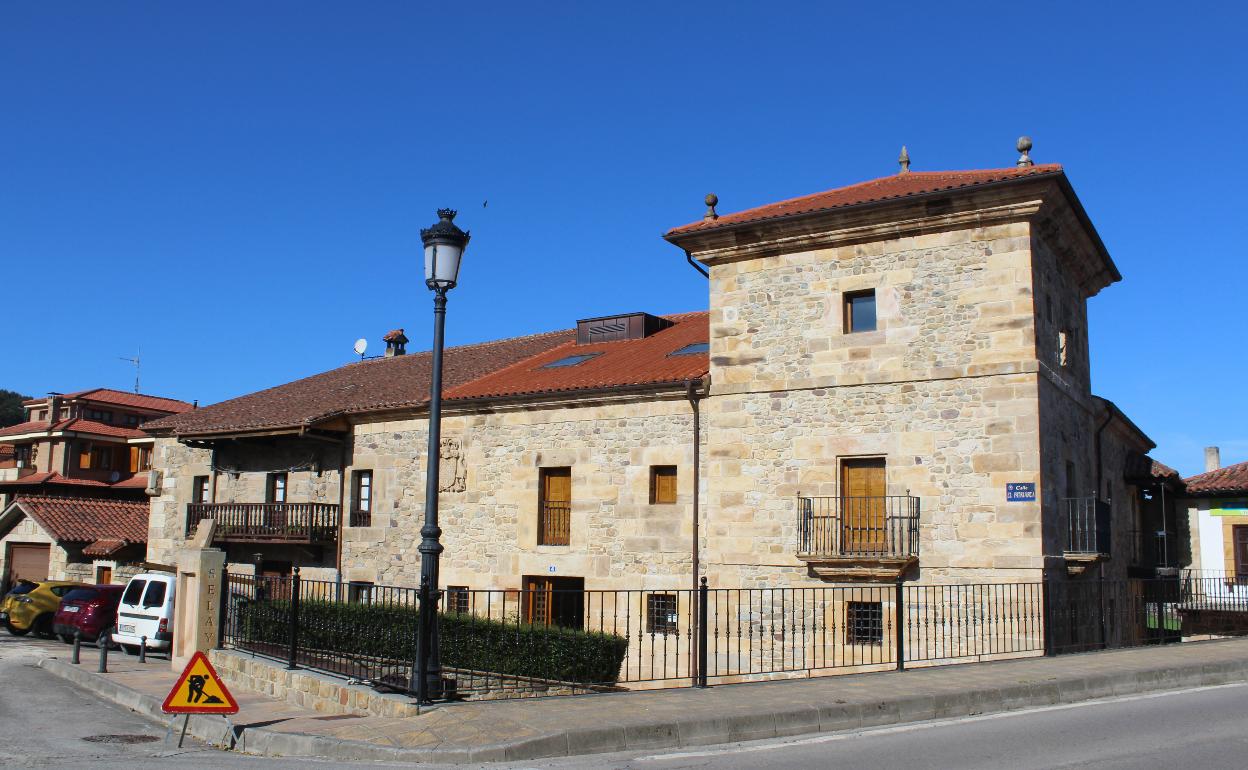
<point x="267" y="522"/>
<point x="858" y="527"/>
<point x="1087" y="526"/>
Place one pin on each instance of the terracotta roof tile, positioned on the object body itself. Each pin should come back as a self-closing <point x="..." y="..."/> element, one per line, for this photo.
<point x="137" y="481"/>
<point x="136" y="400"/>
<point x="86" y="520"/>
<point x="875" y="190"/>
<point x="1231" y="480"/>
<point x="381" y="383"/>
<point x="105" y="547"/>
<point x="613" y="364"/>
<point x="77" y="424"/>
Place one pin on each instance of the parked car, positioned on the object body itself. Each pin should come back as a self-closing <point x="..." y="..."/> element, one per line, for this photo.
<point x="146" y="610"/>
<point x="88" y="611"/>
<point x="31" y="604"/>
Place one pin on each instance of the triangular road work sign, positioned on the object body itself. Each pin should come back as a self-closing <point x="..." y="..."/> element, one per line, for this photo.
<point x="199" y="691"/>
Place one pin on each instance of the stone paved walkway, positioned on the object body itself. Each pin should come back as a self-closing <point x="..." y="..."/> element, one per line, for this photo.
<point x="559" y="726"/>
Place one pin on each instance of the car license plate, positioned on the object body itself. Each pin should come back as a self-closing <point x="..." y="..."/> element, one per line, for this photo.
<point x="126" y="628"/>
<point x="71" y="609"/>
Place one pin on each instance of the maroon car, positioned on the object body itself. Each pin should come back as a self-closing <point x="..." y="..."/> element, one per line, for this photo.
<point x="87" y="610"/>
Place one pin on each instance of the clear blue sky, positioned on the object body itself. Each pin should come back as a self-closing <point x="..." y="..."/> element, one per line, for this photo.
<point x="238" y="187"/>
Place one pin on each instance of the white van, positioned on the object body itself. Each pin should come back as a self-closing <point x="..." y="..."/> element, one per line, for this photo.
<point x="146" y="609"/>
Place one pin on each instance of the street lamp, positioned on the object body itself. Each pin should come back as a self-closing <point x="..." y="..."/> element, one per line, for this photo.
<point x="444" y="247"/>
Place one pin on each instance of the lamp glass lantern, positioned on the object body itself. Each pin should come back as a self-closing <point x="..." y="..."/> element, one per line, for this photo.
<point x="444" y="248"/>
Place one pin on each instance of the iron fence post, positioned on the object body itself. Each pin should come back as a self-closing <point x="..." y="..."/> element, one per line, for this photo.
<point x="1047" y="614"/>
<point x="702" y="616"/>
<point x="294" y="620"/>
<point x="1100" y="606"/>
<point x="899" y="619"/>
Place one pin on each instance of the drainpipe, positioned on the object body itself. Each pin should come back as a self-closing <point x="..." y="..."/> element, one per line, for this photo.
<point x="342" y="511"/>
<point x="1099" y="431"/>
<point x="694" y="397"/>
<point x="696" y="265"/>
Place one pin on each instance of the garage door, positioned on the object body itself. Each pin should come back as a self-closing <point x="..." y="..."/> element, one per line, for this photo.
<point x="27" y="561"/>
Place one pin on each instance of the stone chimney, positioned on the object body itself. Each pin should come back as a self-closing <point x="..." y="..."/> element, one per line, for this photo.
<point x="54" y="406"/>
<point x="1213" y="459"/>
<point x="395" y="342"/>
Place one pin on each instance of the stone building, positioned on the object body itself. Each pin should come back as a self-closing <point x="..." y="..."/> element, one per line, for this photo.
<point x="85" y="451"/>
<point x="892" y="381"/>
<point x="1216" y="502"/>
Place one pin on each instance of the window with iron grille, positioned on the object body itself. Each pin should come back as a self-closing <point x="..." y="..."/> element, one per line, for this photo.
<point x="661" y="614"/>
<point x="864" y="623"/>
<point x="457" y="600"/>
<point x="359" y="592"/>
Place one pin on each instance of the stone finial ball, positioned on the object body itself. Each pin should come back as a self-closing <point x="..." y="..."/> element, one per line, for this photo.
<point x="712" y="199"/>
<point x="1024" y="144"/>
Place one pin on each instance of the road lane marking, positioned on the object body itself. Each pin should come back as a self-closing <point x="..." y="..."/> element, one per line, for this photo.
<point x="782" y="743"/>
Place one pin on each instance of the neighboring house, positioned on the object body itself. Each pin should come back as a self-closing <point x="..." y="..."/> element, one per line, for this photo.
<point x="92" y="540"/>
<point x="1217" y="507"/>
<point x="892" y="380"/>
<point x="86" y="446"/>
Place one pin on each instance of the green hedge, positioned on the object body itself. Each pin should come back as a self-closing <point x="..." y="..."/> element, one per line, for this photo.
<point x="468" y="641"/>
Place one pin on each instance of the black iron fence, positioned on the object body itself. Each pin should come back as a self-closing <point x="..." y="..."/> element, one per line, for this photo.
<point x="858" y="526"/>
<point x="503" y="643"/>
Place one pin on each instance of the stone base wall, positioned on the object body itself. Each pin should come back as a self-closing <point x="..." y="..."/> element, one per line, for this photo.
<point x="307" y="689"/>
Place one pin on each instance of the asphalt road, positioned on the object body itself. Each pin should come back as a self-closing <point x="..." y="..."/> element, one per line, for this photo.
<point x="45" y="722"/>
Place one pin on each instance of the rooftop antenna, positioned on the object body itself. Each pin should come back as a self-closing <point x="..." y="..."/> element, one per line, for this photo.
<point x="135" y="361"/>
<point x="360" y="346"/>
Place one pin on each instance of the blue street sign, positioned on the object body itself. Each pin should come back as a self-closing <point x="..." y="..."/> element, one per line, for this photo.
<point x="1020" y="493"/>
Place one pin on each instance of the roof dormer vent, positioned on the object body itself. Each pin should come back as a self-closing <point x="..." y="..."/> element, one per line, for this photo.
<point x="629" y="326"/>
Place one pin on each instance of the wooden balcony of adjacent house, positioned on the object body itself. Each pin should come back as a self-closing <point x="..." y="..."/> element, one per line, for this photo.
<point x="293" y="523"/>
<point x="1087" y="532"/>
<point x="858" y="538"/>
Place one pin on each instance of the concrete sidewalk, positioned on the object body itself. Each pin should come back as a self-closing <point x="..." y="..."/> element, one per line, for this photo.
<point x="660" y="719"/>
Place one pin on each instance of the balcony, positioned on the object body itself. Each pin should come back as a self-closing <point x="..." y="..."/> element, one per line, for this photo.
<point x="295" y="523"/>
<point x="1087" y="532"/>
<point x="858" y="538"/>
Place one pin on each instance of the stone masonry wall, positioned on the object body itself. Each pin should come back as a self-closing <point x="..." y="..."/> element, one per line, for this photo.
<point x="618" y="539"/>
<point x="945" y="390"/>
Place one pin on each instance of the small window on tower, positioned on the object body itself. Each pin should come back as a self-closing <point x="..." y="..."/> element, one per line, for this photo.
<point x="860" y="311"/>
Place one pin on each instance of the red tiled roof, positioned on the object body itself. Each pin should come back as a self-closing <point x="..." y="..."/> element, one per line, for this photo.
<point x="396" y="382"/>
<point x="615" y="364"/>
<point x="105" y="547"/>
<point x="136" y="400"/>
<point x="137" y="481"/>
<point x="77" y="424"/>
<point x="873" y="191"/>
<point x="7" y="451"/>
<point x="1231" y="480"/>
<point x="396" y="335"/>
<point x="1163" y="471"/>
<point x="86" y="520"/>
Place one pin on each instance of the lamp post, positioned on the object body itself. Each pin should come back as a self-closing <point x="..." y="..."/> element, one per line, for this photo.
<point x="444" y="246"/>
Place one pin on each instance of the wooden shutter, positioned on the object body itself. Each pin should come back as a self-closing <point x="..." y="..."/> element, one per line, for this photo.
<point x="1241" y="550"/>
<point x="862" y="505"/>
<point x="555" y="514"/>
<point x="663" y="484"/>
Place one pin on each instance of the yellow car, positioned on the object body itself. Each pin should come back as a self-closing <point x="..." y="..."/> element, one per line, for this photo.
<point x="31" y="605"/>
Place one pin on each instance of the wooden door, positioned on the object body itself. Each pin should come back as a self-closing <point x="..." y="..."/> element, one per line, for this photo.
<point x="103" y="575"/>
<point x="558" y="601"/>
<point x="863" y="519"/>
<point x="555" y="516"/>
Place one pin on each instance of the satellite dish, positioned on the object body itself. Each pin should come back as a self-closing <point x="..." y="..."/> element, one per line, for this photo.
<point x="360" y="346"/>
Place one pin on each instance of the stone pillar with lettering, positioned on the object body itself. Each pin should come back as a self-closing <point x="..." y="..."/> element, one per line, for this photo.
<point x="197" y="601"/>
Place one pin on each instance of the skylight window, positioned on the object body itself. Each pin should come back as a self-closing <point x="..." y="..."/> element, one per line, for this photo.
<point x="570" y="360"/>
<point x="692" y="349"/>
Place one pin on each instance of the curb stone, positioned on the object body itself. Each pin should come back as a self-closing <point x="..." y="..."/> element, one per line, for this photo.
<point x="694" y="729"/>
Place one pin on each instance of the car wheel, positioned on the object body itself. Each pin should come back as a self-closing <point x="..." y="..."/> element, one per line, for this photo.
<point x="43" y="626"/>
<point x="15" y="630"/>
